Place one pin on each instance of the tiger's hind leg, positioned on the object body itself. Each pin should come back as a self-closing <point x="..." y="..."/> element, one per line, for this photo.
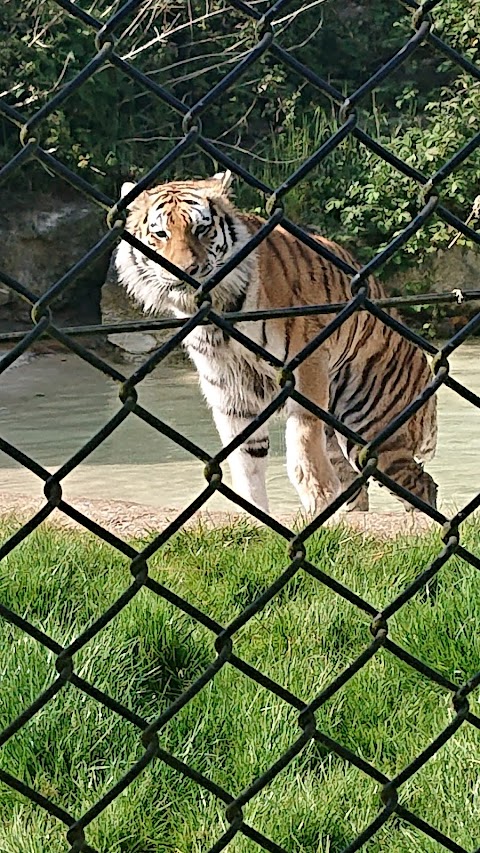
<point x="395" y="458"/>
<point x="346" y="474"/>
<point x="410" y="474"/>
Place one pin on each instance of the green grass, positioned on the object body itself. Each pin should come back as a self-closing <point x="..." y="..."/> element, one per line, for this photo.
<point x="74" y="750"/>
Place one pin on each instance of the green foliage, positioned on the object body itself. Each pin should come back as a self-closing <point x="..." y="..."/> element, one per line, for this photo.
<point x="270" y="121"/>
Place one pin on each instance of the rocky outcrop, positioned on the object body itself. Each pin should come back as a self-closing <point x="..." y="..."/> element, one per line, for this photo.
<point x="445" y="270"/>
<point x="42" y="235"/>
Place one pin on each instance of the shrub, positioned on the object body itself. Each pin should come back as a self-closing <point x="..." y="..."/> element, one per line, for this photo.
<point x="271" y="120"/>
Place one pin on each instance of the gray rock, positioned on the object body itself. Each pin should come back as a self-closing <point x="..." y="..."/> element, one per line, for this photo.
<point x="6" y="295"/>
<point x="445" y="271"/>
<point x="42" y="236"/>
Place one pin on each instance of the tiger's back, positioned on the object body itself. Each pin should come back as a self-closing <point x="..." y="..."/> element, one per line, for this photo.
<point x="364" y="372"/>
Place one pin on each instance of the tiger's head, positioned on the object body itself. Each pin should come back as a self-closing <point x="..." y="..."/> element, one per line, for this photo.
<point x="193" y="225"/>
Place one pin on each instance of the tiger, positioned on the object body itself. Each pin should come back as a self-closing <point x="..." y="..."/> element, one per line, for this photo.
<point x="364" y="374"/>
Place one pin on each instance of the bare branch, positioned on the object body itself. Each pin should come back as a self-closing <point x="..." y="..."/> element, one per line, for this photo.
<point x="270" y="160"/>
<point x="168" y="33"/>
<point x="239" y="121"/>
<point x="474" y="214"/>
<point x="308" y="38"/>
<point x="293" y="15"/>
<point x="188" y="61"/>
<point x="206" y="69"/>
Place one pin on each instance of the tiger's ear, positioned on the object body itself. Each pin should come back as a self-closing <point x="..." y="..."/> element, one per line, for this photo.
<point x="126" y="188"/>
<point x="224" y="180"/>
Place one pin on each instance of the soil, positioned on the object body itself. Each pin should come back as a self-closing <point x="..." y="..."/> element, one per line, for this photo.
<point x="130" y="520"/>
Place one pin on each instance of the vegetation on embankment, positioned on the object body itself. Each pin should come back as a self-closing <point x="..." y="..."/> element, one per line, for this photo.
<point x="270" y="120"/>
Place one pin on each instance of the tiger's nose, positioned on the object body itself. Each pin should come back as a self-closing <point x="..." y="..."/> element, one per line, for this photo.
<point x="189" y="261"/>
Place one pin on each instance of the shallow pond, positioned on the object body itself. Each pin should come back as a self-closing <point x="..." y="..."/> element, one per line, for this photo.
<point x="50" y="405"/>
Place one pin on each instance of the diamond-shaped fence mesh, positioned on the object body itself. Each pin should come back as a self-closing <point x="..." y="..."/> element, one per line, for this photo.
<point x="43" y="323"/>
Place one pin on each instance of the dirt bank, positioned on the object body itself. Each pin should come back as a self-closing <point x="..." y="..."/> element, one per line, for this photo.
<point x="129" y="520"/>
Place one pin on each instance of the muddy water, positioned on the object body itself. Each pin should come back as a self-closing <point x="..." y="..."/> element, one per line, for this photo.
<point x="50" y="405"/>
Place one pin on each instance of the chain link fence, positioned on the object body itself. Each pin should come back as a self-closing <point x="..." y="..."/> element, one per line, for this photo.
<point x="43" y="323"/>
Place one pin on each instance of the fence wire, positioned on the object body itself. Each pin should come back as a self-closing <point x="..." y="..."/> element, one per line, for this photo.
<point x="429" y="204"/>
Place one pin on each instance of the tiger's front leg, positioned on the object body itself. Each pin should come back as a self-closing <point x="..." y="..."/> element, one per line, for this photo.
<point x="248" y="464"/>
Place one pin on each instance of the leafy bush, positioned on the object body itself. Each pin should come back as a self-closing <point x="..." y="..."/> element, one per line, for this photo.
<point x="270" y="120"/>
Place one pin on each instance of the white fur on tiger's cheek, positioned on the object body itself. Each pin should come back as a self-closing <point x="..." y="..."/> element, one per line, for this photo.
<point x="139" y="279"/>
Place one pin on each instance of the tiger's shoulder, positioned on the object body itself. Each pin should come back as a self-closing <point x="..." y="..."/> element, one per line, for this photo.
<point x="316" y="267"/>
